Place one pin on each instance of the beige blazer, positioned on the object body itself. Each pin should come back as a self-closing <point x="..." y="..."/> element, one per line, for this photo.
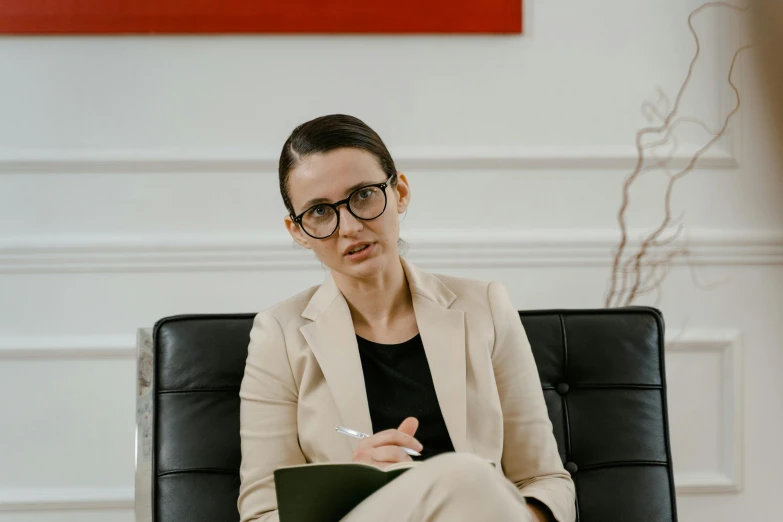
<point x="303" y="377"/>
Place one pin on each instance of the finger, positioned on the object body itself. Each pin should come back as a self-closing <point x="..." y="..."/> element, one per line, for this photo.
<point x="389" y="454"/>
<point x="409" y="426"/>
<point x="394" y="438"/>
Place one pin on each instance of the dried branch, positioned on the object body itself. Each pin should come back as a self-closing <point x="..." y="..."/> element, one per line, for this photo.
<point x="673" y="179"/>
<point x="641" y="272"/>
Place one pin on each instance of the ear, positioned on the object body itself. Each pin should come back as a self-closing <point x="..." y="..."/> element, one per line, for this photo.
<point x="296" y="232"/>
<point x="403" y="192"/>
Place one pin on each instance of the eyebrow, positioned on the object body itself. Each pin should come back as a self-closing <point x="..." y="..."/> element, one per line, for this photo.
<point x="350" y="189"/>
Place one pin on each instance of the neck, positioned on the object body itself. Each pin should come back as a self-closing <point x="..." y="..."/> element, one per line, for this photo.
<point x="379" y="299"/>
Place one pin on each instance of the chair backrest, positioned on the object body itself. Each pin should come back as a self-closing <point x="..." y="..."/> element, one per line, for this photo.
<point x="602" y="373"/>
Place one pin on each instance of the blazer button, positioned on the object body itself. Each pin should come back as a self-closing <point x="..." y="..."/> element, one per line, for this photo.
<point x="571" y="467"/>
<point x="562" y="388"/>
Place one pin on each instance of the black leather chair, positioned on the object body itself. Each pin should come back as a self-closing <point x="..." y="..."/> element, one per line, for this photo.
<point x="603" y="378"/>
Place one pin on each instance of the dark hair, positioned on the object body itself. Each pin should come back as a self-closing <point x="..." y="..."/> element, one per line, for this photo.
<point x="327" y="133"/>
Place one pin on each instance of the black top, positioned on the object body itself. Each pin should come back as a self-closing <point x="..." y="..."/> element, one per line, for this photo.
<point x="399" y="385"/>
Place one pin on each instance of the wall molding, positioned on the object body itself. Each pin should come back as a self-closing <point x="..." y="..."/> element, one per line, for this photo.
<point x="66" y="499"/>
<point x="238" y="160"/>
<point x="729" y="477"/>
<point x="74" y="347"/>
<point x="432" y="249"/>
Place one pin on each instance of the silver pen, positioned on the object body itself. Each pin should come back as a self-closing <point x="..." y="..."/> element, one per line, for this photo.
<point x="359" y="435"/>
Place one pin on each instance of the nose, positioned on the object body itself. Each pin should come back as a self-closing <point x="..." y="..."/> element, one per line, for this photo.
<point x="349" y="225"/>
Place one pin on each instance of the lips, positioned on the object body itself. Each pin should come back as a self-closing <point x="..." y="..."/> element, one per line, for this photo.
<point x="356" y="247"/>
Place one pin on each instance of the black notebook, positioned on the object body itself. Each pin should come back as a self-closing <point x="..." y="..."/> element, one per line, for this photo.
<point x="327" y="492"/>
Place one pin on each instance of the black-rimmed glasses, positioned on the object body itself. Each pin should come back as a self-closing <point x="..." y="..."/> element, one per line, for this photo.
<point x="366" y="203"/>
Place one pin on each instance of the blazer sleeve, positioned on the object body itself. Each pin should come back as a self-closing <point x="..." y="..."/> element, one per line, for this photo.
<point x="530" y="457"/>
<point x="267" y="420"/>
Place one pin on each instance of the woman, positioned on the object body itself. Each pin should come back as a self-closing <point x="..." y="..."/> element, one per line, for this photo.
<point x="437" y="364"/>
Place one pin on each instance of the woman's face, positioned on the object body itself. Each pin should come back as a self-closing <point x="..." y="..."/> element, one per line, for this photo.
<point x="333" y="177"/>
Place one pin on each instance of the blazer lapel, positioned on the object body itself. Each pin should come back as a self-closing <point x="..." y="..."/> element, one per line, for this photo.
<point x="333" y="341"/>
<point x="443" y="335"/>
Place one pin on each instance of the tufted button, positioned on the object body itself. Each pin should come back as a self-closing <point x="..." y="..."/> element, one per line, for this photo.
<point x="562" y="388"/>
<point x="571" y="467"/>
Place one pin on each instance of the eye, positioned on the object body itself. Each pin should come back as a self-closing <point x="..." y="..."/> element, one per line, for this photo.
<point x="319" y="212"/>
<point x="366" y="193"/>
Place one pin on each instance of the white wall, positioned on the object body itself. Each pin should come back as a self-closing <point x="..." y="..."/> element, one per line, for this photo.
<point x="137" y="180"/>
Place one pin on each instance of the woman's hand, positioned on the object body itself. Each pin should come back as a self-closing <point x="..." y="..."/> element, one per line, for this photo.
<point x="383" y="448"/>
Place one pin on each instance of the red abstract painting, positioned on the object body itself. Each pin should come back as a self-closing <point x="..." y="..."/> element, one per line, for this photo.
<point x="259" y="16"/>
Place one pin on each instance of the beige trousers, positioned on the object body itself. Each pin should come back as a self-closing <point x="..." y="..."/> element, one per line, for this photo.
<point x="448" y="488"/>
